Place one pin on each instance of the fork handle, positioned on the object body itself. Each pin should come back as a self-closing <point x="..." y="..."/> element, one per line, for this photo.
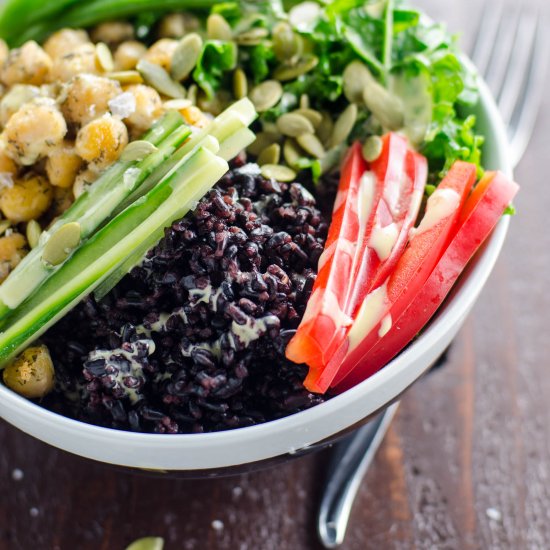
<point x="346" y="471"/>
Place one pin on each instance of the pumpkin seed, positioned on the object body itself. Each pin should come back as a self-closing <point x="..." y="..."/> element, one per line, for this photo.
<point x="387" y="108"/>
<point x="332" y="159"/>
<point x="304" y="102"/>
<point x="344" y="125"/>
<point x="263" y="140"/>
<point x="126" y="77"/>
<point x="186" y="56"/>
<point x="4" y="226"/>
<point x="240" y="84"/>
<point x="278" y="172"/>
<point x="177" y="104"/>
<point x="292" y="153"/>
<point x="291" y="71"/>
<point x="266" y="95"/>
<point x="310" y="144"/>
<point x="294" y="125"/>
<point x="33" y="233"/>
<point x="159" y="79"/>
<point x="217" y="28"/>
<point x="193" y="93"/>
<point x="303" y="15"/>
<point x="325" y="128"/>
<point x="253" y="37"/>
<point x="137" y="150"/>
<point x="315" y="117"/>
<point x="286" y="44"/>
<point x="270" y="155"/>
<point x="372" y="149"/>
<point x="61" y="244"/>
<point x="104" y="57"/>
<point x="147" y="543"/>
<point x="356" y="78"/>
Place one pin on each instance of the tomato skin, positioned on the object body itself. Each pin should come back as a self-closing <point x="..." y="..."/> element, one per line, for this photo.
<point x="479" y="216"/>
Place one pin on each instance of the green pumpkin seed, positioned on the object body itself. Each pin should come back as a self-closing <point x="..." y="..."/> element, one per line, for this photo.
<point x="356" y="78"/>
<point x="278" y="172"/>
<point x="266" y="95"/>
<point x="253" y="37"/>
<point x="304" y="102"/>
<point x="240" y="84"/>
<point x="263" y="140"/>
<point x="192" y="94"/>
<point x="292" y="153"/>
<point x="177" y="104"/>
<point x="217" y="28"/>
<point x="137" y="150"/>
<point x="387" y="108"/>
<point x="158" y="78"/>
<point x="186" y="56"/>
<point x="286" y="44"/>
<point x="372" y="149"/>
<point x="344" y="125"/>
<point x="147" y="543"/>
<point x="33" y="233"/>
<point x="333" y="158"/>
<point x="126" y="77"/>
<point x="325" y="128"/>
<point x="291" y="71"/>
<point x="310" y="144"/>
<point x="270" y="155"/>
<point x="294" y="125"/>
<point x="104" y="57"/>
<point x="4" y="226"/>
<point x="61" y="244"/>
<point x="315" y="117"/>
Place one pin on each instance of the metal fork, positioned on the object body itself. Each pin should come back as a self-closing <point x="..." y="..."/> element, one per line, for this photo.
<point x="511" y="51"/>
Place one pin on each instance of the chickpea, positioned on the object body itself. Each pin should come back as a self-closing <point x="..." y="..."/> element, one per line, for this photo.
<point x="63" y="165"/>
<point x="17" y="96"/>
<point x="31" y="374"/>
<point x="12" y="251"/>
<point x="113" y="32"/>
<point x="64" y="41"/>
<point x="29" y="64"/>
<point x="83" y="182"/>
<point x="172" y="26"/>
<point x="62" y="199"/>
<point x="87" y="97"/>
<point x="195" y="117"/>
<point x="101" y="141"/>
<point x="81" y="59"/>
<point x="148" y="108"/>
<point x="34" y="130"/>
<point x="128" y="54"/>
<point x="7" y="165"/>
<point x="4" y="51"/>
<point x="27" y="199"/>
<point x="161" y="52"/>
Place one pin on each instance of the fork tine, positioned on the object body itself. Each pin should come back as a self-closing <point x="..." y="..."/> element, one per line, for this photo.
<point x="518" y="68"/>
<point x="525" y="115"/>
<point x="484" y="45"/>
<point x="505" y="40"/>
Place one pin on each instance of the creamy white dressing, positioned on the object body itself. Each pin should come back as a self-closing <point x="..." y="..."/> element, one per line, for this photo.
<point x="394" y="190"/>
<point x="252" y="330"/>
<point x="383" y="240"/>
<point x="371" y="311"/>
<point x="385" y="326"/>
<point x="441" y="204"/>
<point x="130" y="177"/>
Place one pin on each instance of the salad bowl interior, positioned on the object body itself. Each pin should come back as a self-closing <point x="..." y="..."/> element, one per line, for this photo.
<point x="209" y="453"/>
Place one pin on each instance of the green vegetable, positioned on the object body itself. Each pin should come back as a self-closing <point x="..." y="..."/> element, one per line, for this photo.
<point x="145" y="220"/>
<point x="94" y="207"/>
<point x="217" y="58"/>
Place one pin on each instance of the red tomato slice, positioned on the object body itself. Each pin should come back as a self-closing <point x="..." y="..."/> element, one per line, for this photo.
<point x="481" y="213"/>
<point x="425" y="248"/>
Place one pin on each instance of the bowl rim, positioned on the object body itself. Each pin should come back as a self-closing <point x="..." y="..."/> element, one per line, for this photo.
<point x="225" y="448"/>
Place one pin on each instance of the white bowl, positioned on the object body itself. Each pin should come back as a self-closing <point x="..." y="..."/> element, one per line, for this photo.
<point x="244" y="446"/>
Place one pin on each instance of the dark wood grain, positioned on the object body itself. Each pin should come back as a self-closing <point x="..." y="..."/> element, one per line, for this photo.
<point x="466" y="464"/>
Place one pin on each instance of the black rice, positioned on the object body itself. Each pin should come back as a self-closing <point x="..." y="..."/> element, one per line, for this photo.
<point x="193" y="340"/>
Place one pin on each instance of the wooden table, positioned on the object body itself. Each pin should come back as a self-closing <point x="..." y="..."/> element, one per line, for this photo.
<point x="466" y="463"/>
